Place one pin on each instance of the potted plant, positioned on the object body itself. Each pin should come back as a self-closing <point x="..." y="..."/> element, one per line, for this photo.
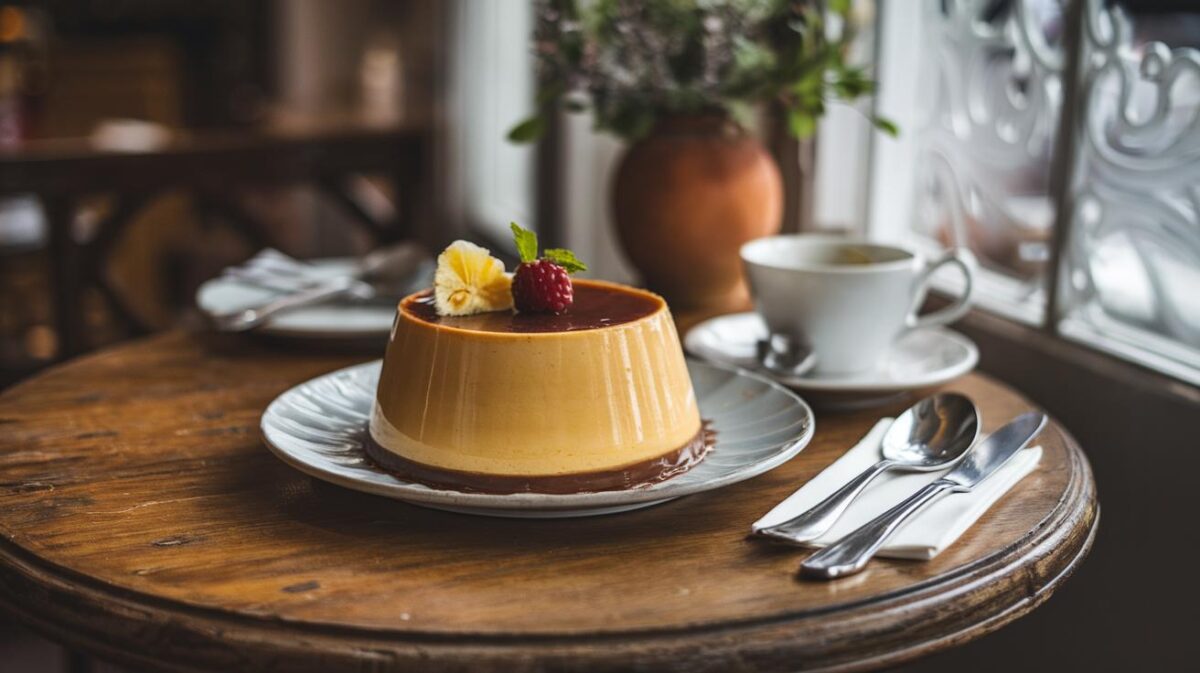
<point x="679" y="80"/>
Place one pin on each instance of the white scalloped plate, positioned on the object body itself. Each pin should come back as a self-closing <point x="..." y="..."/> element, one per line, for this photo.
<point x="330" y="320"/>
<point x="318" y="427"/>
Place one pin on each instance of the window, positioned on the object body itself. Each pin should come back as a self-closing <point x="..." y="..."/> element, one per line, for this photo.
<point x="1094" y="235"/>
<point x="490" y="82"/>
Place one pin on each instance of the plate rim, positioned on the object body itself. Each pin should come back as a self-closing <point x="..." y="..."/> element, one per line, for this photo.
<point x="665" y="490"/>
<point x="939" y="377"/>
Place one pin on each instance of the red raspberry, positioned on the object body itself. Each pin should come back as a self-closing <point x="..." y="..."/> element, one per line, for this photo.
<point x="541" y="286"/>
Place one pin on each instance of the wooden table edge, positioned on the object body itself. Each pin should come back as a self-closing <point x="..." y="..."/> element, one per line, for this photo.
<point x="117" y="624"/>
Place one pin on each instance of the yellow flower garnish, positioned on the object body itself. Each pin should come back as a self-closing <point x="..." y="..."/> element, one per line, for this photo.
<point x="469" y="281"/>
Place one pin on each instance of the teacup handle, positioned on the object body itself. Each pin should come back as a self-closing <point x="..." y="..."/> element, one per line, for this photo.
<point x="961" y="258"/>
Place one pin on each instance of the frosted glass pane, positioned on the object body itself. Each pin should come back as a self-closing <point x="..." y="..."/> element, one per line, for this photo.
<point x="991" y="97"/>
<point x="1131" y="272"/>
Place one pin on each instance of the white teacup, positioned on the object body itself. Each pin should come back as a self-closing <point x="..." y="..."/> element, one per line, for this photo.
<point x="843" y="301"/>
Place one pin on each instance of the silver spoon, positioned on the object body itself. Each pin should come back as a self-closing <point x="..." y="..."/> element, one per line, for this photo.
<point x="930" y="435"/>
<point x="387" y="272"/>
<point x="785" y="356"/>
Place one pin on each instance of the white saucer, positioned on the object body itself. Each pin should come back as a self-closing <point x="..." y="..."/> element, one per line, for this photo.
<point x="921" y="359"/>
<point x="335" y="320"/>
<point x="319" y="426"/>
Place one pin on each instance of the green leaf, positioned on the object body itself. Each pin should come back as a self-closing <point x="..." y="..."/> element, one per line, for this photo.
<point x="886" y="125"/>
<point x="852" y="83"/>
<point x="812" y="82"/>
<point x="801" y="124"/>
<point x="839" y="6"/>
<point x="742" y="113"/>
<point x="527" y="131"/>
<point x="566" y="259"/>
<point x="629" y="120"/>
<point x="526" y="242"/>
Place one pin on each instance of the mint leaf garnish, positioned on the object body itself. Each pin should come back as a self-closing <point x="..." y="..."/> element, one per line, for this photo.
<point x="526" y="241"/>
<point x="566" y="259"/>
<point x="527" y="248"/>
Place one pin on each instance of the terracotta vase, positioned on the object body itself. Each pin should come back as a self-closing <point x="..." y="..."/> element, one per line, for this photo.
<point x="685" y="198"/>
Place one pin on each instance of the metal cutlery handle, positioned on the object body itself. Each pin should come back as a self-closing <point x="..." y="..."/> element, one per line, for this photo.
<point x="817" y="521"/>
<point x="851" y="553"/>
<point x="250" y="318"/>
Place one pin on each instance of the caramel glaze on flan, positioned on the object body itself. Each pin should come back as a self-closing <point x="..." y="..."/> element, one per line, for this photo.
<point x="595" y="399"/>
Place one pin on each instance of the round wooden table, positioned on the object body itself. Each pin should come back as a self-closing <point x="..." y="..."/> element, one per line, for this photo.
<point x="144" y="521"/>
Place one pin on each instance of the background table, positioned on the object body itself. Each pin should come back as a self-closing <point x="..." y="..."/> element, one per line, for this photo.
<point x="288" y="149"/>
<point x="143" y="520"/>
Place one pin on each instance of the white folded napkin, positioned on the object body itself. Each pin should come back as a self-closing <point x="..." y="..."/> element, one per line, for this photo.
<point x="926" y="534"/>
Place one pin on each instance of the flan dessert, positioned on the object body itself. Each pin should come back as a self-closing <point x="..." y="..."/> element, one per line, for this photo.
<point x="590" y="398"/>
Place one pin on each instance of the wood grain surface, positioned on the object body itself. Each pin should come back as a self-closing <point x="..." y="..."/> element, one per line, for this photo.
<point x="143" y="520"/>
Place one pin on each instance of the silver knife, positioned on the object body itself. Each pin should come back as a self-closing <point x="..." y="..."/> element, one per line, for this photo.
<point x="851" y="553"/>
